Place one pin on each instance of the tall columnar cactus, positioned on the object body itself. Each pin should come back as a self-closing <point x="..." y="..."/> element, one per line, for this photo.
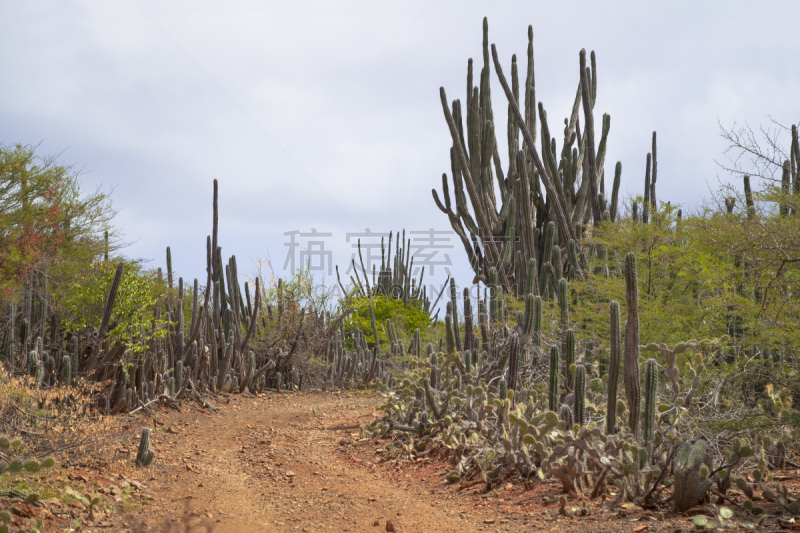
<point x="563" y="301"/>
<point x="494" y="297"/>
<point x="579" y="395"/>
<point x="454" y="312"/>
<point x="615" y="191"/>
<point x="144" y="455"/>
<point x="450" y="336"/>
<point x="34" y="364"/>
<point x="109" y="307"/>
<point x="531" y="286"/>
<point x="632" y="391"/>
<point x="568" y="349"/>
<point x="646" y="205"/>
<point x="574" y="260"/>
<point x="430" y="397"/>
<point x="650" y="389"/>
<point x="528" y="317"/>
<point x="24" y="329"/>
<point x="374" y="327"/>
<point x="552" y="391"/>
<point x="748" y="196"/>
<point x="467" y="359"/>
<point x="653" y="202"/>
<point x="178" y="374"/>
<point x="43" y="304"/>
<point x="613" y="368"/>
<point x="469" y="332"/>
<point x="537" y="321"/>
<point x="513" y="362"/>
<point x="280" y="299"/>
<point x="557" y="262"/>
<point x="169" y="267"/>
<point x="66" y="370"/>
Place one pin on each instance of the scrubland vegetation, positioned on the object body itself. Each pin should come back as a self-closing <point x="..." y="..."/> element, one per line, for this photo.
<point x="636" y="352"/>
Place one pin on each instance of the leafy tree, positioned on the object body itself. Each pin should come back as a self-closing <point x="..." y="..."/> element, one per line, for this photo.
<point x="44" y="215"/>
<point x="82" y="302"/>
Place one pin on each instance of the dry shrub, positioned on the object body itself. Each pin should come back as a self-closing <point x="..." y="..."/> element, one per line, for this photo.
<point x="62" y="422"/>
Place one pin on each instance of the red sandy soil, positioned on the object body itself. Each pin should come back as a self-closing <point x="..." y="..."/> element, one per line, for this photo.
<point x="295" y="462"/>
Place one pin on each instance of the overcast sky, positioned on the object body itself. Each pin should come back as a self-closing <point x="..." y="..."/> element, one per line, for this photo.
<point x="326" y="115"/>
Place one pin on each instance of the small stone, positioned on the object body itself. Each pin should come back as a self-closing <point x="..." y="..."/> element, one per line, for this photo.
<point x="489" y="521"/>
<point x="289" y="473"/>
<point x="376" y="523"/>
<point x="390" y="527"/>
<point x="508" y="486"/>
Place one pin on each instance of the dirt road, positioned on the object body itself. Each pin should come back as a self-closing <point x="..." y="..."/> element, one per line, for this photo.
<point x="294" y="462"/>
<point x="287" y="463"/>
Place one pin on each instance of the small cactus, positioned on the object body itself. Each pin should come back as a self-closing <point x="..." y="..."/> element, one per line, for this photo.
<point x="502" y="389"/>
<point x="690" y="485"/>
<point x="145" y="455"/>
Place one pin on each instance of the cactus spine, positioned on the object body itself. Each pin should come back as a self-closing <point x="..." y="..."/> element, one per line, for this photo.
<point x="613" y="369"/>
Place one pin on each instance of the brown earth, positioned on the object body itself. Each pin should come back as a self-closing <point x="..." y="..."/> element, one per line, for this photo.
<point x="294" y="462"/>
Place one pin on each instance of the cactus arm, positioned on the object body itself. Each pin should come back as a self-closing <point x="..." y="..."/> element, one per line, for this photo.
<point x="564" y="226"/>
<point x="589" y="129"/>
<point x="615" y="191"/>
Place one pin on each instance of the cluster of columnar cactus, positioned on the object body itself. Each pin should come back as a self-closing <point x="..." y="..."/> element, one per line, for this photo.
<point x="503" y="231"/>
<point x="358" y="367"/>
<point x="395" y="278"/>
